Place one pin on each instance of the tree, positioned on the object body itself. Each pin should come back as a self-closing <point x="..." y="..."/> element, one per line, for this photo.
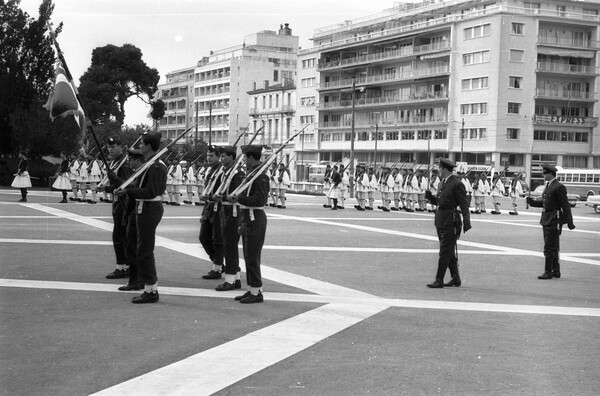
<point x="26" y="68"/>
<point x="116" y="74"/>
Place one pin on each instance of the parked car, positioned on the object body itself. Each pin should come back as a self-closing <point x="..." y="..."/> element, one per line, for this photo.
<point x="535" y="198"/>
<point x="593" y="201"/>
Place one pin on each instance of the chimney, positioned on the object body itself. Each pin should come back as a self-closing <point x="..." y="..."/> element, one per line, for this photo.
<point x="288" y="31"/>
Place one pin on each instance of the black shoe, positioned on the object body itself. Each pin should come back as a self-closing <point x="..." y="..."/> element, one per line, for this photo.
<point x="225" y="287"/>
<point x="380" y="207"/>
<point x="545" y="275"/>
<point x="513" y="213"/>
<point x="146" y="298"/>
<point x="238" y="284"/>
<point x="251" y="299"/>
<point x="132" y="286"/>
<point x="368" y="208"/>
<point x="272" y="205"/>
<point x="212" y="274"/>
<point x="334" y="208"/>
<point x="453" y="282"/>
<point x="197" y="203"/>
<point x="63" y="201"/>
<point x="327" y="206"/>
<point x="437" y="284"/>
<point x="118" y="274"/>
<point x="341" y="207"/>
<point x="239" y="298"/>
<point x="360" y="209"/>
<point x="22" y="200"/>
<point x="394" y="209"/>
<point x="496" y="213"/>
<point x="385" y="209"/>
<point x="73" y="199"/>
<point x="556" y="275"/>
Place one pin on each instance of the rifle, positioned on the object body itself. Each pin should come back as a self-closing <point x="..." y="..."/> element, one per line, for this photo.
<point x="116" y="169"/>
<point x="228" y="177"/>
<point x="155" y="157"/>
<point x="264" y="166"/>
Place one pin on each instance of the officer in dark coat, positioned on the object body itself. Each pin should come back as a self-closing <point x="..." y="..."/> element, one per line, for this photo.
<point x="149" y="210"/>
<point x="556" y="212"/>
<point x="252" y="223"/>
<point x="451" y="194"/>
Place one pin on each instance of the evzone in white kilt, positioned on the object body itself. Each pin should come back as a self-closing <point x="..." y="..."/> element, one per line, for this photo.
<point x="190" y="182"/>
<point x="22" y="180"/>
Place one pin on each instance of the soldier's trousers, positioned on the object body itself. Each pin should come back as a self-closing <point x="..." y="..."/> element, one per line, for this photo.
<point x="551" y="248"/>
<point x="131" y="248"/>
<point x="119" y="233"/>
<point x="231" y="238"/>
<point x="253" y="238"/>
<point x="447" y="257"/>
<point x="211" y="236"/>
<point x="147" y="221"/>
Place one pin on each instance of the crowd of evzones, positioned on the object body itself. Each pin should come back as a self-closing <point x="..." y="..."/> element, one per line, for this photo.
<point x="413" y="189"/>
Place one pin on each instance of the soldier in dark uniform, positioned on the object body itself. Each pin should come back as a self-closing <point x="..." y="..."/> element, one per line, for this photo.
<point x="556" y="212"/>
<point x="252" y="224"/>
<point x="210" y="235"/>
<point x="149" y="210"/>
<point x="229" y="220"/>
<point x="116" y="152"/>
<point x="451" y="194"/>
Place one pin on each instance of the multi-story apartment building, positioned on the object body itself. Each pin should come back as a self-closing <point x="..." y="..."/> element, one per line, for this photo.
<point x="177" y="94"/>
<point x="479" y="81"/>
<point x="307" y="81"/>
<point x="223" y="79"/>
<point x="219" y="84"/>
<point x="272" y="108"/>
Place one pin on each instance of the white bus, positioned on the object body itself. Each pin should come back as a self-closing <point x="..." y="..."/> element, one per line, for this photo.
<point x="580" y="181"/>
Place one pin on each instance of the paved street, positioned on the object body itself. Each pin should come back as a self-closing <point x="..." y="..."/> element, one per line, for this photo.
<point x="346" y="309"/>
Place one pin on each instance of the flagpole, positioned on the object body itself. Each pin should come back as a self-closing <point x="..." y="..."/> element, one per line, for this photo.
<point x="62" y="60"/>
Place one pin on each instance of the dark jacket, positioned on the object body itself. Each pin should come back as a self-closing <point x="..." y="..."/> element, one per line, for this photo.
<point x="451" y="194"/>
<point x="556" y="205"/>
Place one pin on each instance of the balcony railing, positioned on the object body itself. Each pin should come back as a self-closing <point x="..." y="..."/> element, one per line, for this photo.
<point x="386" y="77"/>
<point x="413" y="97"/>
<point x="275" y="110"/>
<point x="566" y="95"/>
<point x="568" y="42"/>
<point x="564" y="68"/>
<point x="386" y="55"/>
<point x="423" y="120"/>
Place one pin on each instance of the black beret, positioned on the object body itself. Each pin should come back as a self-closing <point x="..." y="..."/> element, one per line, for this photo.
<point x="214" y="149"/>
<point x="151" y="137"/>
<point x="230" y="150"/>
<point x="114" y="141"/>
<point x="252" y="150"/>
<point x="446" y="163"/>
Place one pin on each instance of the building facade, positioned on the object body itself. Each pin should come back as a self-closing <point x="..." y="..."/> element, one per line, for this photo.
<point x="177" y="95"/>
<point x="484" y="82"/>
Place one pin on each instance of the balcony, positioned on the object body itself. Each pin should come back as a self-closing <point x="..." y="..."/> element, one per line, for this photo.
<point x="565" y="95"/>
<point x="385" y="78"/>
<point x="402" y="122"/>
<point x="568" y="42"/>
<point x="562" y="68"/>
<point x="386" y="101"/>
<point x="385" y="56"/>
<point x="562" y="120"/>
<point x="271" y="111"/>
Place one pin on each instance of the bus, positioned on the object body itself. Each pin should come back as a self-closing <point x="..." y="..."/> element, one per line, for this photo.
<point x="580" y="181"/>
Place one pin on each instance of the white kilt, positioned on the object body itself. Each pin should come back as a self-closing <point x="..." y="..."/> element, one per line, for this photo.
<point x="22" y="181"/>
<point x="62" y="182"/>
<point x="334" y="193"/>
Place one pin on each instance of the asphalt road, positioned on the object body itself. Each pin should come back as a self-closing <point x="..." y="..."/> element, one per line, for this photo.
<point x="346" y="309"/>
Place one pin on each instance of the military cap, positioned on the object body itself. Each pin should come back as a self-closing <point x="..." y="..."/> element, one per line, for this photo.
<point x="133" y="151"/>
<point x="152" y="139"/>
<point x="214" y="149"/>
<point x="253" y="151"/>
<point x="446" y="163"/>
<point x="114" y="141"/>
<point x="549" y="168"/>
<point x="229" y="150"/>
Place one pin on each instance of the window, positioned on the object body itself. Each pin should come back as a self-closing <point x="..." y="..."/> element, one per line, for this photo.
<point x="476" y="58"/>
<point x="516" y="55"/>
<point x="308" y="82"/>
<point x="475" y="133"/>
<point x="574" y="161"/>
<point x="440" y="134"/>
<point x="514" y="108"/>
<point x="307" y="101"/>
<point x="534" y="8"/>
<point x="408" y="135"/>
<point x="561" y="9"/>
<point x="391" y="135"/>
<point x="473" y="108"/>
<point x="306" y="63"/>
<point x="424" y="134"/>
<point x="309" y="119"/>
<point x="477" y="31"/>
<point x="325" y="137"/>
<point x="275" y="75"/>
<point x="590" y="14"/>
<point x="517" y="28"/>
<point x="469" y="84"/>
<point x="514" y="82"/>
<point x="512" y="133"/>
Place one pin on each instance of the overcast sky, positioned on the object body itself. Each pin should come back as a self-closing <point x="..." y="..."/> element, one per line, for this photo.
<point x="174" y="34"/>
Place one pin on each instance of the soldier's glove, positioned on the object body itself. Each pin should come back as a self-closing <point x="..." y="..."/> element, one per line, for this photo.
<point x="466" y="227"/>
<point x="571" y="226"/>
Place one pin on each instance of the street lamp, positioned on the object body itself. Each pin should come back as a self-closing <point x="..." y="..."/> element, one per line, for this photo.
<point x="462" y="138"/>
<point x="351" y="189"/>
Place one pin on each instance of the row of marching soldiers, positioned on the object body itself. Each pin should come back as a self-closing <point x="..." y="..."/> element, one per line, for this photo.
<point x="411" y="190"/>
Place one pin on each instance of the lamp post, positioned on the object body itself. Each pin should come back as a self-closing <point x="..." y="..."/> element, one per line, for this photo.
<point x="376" y="139"/>
<point x="196" y="138"/>
<point x="351" y="189"/>
<point x="462" y="138"/>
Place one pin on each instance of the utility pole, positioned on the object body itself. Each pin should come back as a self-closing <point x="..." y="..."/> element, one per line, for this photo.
<point x="210" y="123"/>
<point x="196" y="139"/>
<point x="351" y="190"/>
<point x="462" y="138"/>
<point x="376" y="139"/>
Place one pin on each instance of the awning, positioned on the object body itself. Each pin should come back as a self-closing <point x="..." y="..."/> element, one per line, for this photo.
<point x="566" y="52"/>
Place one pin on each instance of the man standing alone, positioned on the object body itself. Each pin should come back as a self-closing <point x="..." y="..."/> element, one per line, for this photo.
<point x="556" y="212"/>
<point x="451" y="194"/>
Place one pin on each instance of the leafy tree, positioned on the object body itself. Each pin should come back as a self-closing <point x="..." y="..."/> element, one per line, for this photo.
<point x="26" y="72"/>
<point x="116" y="74"/>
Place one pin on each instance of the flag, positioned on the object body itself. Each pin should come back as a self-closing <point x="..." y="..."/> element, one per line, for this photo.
<point x="63" y="102"/>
